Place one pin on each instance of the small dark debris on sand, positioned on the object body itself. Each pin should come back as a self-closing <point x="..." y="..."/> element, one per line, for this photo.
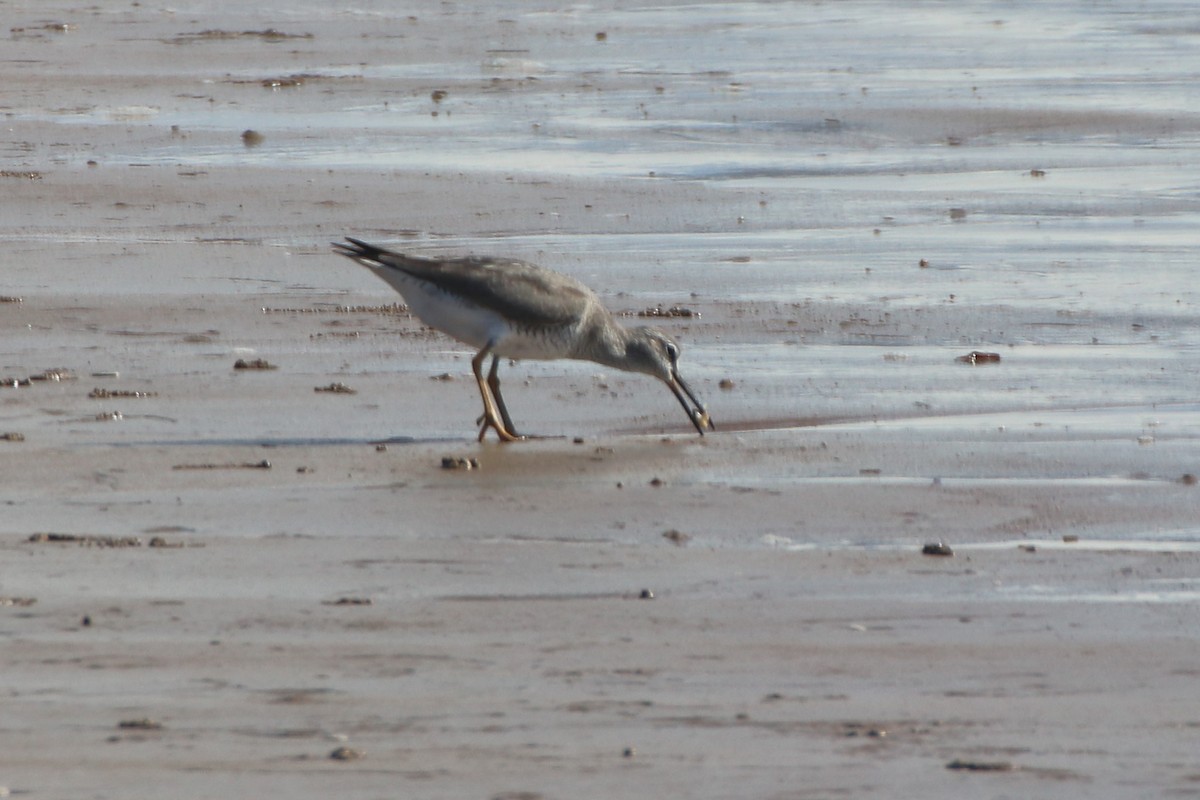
<point x="104" y="394"/>
<point x="143" y="724"/>
<point x="257" y="363"/>
<point x="45" y="376"/>
<point x="346" y="754"/>
<point x="937" y="549"/>
<point x="350" y="601"/>
<point x="981" y="766"/>
<point x="289" y="82"/>
<point x="457" y="462"/>
<point x="388" y="309"/>
<point x="12" y="436"/>
<point x="673" y="311"/>
<point x="158" y="541"/>
<point x="854" y="729"/>
<point x="676" y="537"/>
<point x="264" y="464"/>
<point x="86" y="540"/>
<point x="335" y="388"/>
<point x="217" y="34"/>
<point x="978" y="357"/>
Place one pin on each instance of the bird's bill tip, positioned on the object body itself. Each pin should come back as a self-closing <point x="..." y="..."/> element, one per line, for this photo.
<point x="700" y="419"/>
<point x="696" y="411"/>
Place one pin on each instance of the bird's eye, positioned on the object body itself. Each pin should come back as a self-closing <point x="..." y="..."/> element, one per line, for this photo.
<point x="672" y="352"/>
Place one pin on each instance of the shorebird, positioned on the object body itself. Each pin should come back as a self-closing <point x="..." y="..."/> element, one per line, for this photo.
<point x="512" y="309"/>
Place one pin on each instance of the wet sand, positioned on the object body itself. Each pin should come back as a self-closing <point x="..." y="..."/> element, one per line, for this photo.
<point x="212" y="579"/>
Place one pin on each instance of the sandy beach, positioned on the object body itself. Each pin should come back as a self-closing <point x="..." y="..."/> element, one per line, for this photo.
<point x="227" y="582"/>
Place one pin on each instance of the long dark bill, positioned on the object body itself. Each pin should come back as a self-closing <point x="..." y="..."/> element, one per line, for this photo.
<point x="696" y="411"/>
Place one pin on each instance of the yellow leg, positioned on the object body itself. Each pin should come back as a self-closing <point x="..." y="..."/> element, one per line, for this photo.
<point x="493" y="382"/>
<point x="492" y="417"/>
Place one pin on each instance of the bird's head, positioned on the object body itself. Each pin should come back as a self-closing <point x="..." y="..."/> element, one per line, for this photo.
<point x="650" y="351"/>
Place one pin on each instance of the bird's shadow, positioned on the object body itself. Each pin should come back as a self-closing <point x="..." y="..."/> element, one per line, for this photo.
<point x="731" y="426"/>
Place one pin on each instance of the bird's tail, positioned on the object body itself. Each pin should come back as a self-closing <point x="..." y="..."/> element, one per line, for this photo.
<point x="360" y="251"/>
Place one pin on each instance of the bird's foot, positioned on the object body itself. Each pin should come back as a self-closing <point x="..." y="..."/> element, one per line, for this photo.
<point x="505" y="435"/>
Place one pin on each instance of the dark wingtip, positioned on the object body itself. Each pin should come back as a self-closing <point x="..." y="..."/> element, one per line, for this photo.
<point x="356" y="249"/>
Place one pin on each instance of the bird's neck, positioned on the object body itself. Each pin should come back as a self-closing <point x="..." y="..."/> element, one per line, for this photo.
<point x="609" y="344"/>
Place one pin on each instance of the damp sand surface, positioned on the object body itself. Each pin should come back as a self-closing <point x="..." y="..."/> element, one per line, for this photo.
<point x="932" y="273"/>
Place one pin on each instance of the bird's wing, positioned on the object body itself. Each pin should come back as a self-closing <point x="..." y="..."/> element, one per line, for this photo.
<point x="514" y="289"/>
